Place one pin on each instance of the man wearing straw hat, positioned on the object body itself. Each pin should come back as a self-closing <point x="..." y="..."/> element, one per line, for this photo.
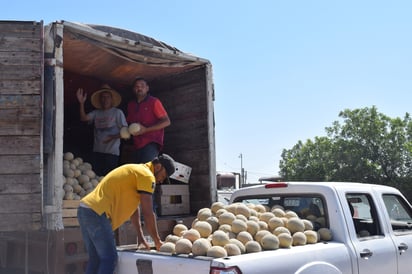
<point x="107" y="120"/>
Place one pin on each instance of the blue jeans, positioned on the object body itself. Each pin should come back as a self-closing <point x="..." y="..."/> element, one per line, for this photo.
<point x="146" y="153"/>
<point x="99" y="240"/>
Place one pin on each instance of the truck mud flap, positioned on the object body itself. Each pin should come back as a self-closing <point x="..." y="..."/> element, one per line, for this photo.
<point x="144" y="266"/>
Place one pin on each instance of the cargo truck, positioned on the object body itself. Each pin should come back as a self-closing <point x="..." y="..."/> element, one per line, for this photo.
<point x="41" y="67"/>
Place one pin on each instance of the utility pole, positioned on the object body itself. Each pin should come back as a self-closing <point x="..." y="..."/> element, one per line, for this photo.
<point x="242" y="171"/>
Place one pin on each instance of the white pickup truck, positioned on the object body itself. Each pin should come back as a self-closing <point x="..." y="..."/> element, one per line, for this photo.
<point x="371" y="227"/>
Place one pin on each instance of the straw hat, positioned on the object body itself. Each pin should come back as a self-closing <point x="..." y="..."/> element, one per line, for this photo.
<point x="116" y="98"/>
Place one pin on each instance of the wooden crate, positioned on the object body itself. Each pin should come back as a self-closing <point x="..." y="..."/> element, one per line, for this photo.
<point x="70" y="213"/>
<point x="174" y="199"/>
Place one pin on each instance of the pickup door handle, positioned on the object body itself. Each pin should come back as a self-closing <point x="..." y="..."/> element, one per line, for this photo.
<point x="366" y="253"/>
<point x="402" y="247"/>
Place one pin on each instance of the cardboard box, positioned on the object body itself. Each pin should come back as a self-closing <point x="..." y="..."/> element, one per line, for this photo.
<point x="182" y="173"/>
<point x="173" y="200"/>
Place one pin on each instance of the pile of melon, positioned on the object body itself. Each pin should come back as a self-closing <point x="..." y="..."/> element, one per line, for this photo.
<point x="79" y="178"/>
<point x="229" y="230"/>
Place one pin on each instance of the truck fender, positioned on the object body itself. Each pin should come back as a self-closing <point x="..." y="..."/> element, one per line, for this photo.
<point x="318" y="267"/>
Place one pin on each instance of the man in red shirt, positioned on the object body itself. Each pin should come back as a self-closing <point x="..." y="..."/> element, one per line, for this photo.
<point x="149" y="112"/>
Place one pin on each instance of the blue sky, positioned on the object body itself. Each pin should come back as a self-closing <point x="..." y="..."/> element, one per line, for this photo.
<point x="283" y="70"/>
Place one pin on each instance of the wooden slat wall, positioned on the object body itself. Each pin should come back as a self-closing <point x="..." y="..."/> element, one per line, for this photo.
<point x="185" y="99"/>
<point x="21" y="70"/>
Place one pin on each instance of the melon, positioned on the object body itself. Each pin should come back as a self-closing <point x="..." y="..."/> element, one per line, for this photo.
<point x="252" y="227"/>
<point x="285" y="240"/>
<point x="242" y="209"/>
<point x="238" y="225"/>
<point x="204" y="228"/>
<point x="325" y="234"/>
<point x="266" y="216"/>
<point x="239" y="244"/>
<point x="244" y="237"/>
<point x="167" y="247"/>
<point x="172" y="238"/>
<point x="295" y="225"/>
<point x="226" y="218"/>
<point x="269" y="242"/>
<point x="191" y="234"/>
<point x="134" y="128"/>
<point x="124" y="133"/>
<point x="260" y="234"/>
<point x="178" y="229"/>
<point x="214" y="222"/>
<point x="252" y="247"/>
<point x="299" y="238"/>
<point x="216" y="252"/>
<point x="311" y="236"/>
<point x="275" y="222"/>
<point x="200" y="247"/>
<point x="183" y="246"/>
<point x="280" y="230"/>
<point x="216" y="206"/>
<point x="220" y="238"/>
<point x="232" y="249"/>
<point x="204" y="213"/>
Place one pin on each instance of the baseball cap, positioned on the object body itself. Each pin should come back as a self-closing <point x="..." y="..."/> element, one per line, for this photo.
<point x="168" y="163"/>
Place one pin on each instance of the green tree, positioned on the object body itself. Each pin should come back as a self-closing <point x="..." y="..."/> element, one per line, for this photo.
<point x="367" y="146"/>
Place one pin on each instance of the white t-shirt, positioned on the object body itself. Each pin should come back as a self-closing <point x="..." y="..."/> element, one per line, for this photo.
<point x="107" y="122"/>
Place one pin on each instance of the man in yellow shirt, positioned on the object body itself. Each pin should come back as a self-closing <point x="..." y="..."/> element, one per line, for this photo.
<point x="115" y="200"/>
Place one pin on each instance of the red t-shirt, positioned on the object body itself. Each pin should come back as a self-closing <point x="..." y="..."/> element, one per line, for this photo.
<point x="148" y="112"/>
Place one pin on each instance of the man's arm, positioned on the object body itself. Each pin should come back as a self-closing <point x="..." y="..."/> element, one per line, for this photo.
<point x="146" y="205"/>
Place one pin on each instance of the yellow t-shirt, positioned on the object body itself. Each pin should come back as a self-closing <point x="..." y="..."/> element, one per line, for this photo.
<point x="117" y="194"/>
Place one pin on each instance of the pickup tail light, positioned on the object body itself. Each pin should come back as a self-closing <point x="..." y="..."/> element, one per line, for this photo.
<point x="276" y="185"/>
<point x="225" y="270"/>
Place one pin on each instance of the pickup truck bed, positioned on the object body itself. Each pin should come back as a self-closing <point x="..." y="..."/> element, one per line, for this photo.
<point x="370" y="224"/>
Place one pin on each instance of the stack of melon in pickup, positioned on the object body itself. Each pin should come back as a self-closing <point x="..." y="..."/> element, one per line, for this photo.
<point x="229" y="230"/>
<point x="79" y="177"/>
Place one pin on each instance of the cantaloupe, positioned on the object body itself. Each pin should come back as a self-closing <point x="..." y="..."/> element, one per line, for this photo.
<point x="183" y="246"/>
<point x="191" y="234"/>
<point x="178" y="229"/>
<point x="214" y="222"/>
<point x="216" y="206"/>
<point x="68" y="156"/>
<point x="242" y="209"/>
<point x="200" y="247"/>
<point x="226" y="218"/>
<point x="172" y="238"/>
<point x="216" y="252"/>
<point x="291" y="214"/>
<point x="220" y="238"/>
<point x="269" y="242"/>
<point x="238" y="225"/>
<point x="244" y="237"/>
<point x="295" y="225"/>
<point x="260" y="234"/>
<point x="325" y="234"/>
<point x="239" y="244"/>
<point x="298" y="238"/>
<point x="285" y="240"/>
<point x="266" y="216"/>
<point x="225" y="227"/>
<point x="280" y="230"/>
<point x="134" y="128"/>
<point x="232" y="249"/>
<point x="308" y="224"/>
<point x="204" y="213"/>
<point x="252" y="247"/>
<point x="275" y="222"/>
<point x="311" y="236"/>
<point x="124" y="133"/>
<point x="279" y="212"/>
<point x="168" y="247"/>
<point x="252" y="227"/>
<point x="241" y="217"/>
<point x="204" y="228"/>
